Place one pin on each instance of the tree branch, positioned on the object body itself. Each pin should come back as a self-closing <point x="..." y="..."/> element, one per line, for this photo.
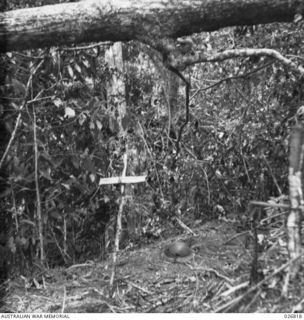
<point x="181" y="61"/>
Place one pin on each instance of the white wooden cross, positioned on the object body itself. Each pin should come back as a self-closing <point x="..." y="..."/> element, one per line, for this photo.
<point x="123" y="180"/>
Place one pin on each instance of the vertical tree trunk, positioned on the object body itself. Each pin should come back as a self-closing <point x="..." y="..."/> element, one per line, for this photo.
<point x="172" y="81"/>
<point x="116" y="89"/>
<point x="296" y="197"/>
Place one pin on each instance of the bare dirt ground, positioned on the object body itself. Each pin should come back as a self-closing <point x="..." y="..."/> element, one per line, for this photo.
<point x="215" y="279"/>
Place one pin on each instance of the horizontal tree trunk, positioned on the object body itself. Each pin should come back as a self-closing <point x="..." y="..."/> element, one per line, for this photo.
<point x="124" y="20"/>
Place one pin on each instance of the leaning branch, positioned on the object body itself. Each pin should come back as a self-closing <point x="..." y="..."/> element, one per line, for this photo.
<point x="182" y="61"/>
<point x="25" y="102"/>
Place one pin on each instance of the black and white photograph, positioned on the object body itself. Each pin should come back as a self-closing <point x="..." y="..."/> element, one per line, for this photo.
<point x="151" y="158"/>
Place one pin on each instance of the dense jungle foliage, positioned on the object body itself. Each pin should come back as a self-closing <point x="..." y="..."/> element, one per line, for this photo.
<point x="233" y="149"/>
